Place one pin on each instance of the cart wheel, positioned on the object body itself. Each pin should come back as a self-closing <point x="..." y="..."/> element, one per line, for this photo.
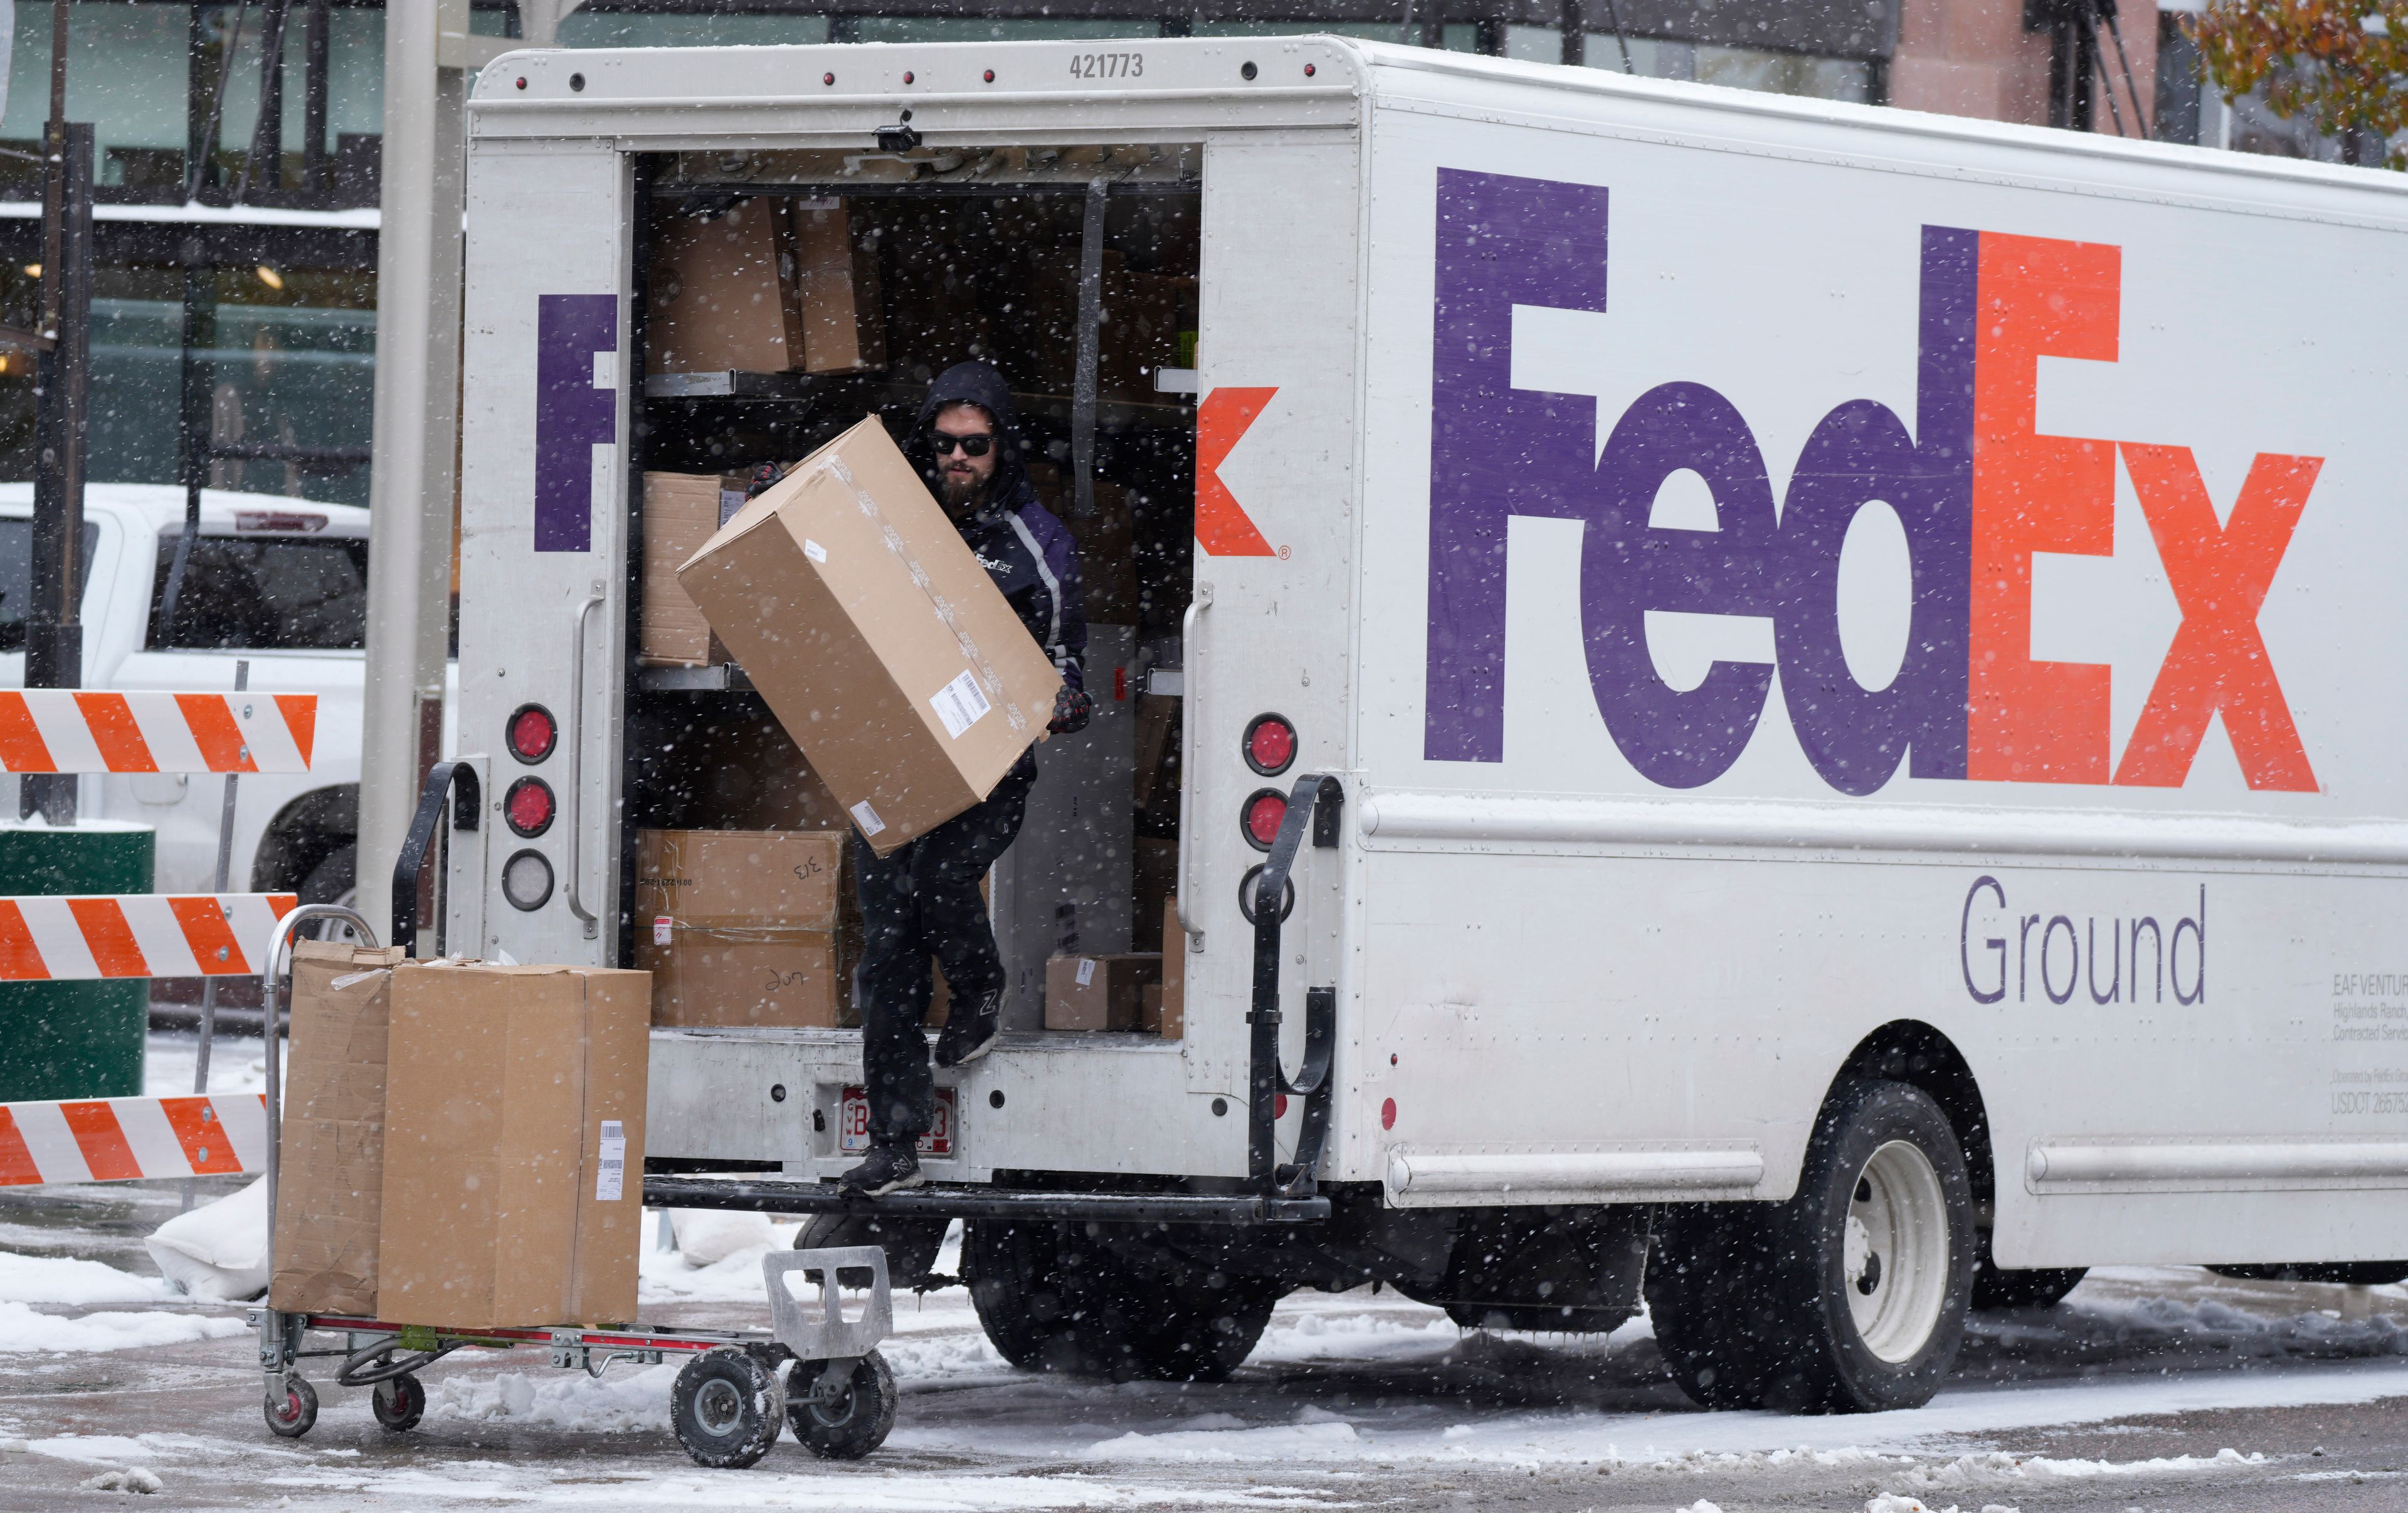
<point x="293" y="1410"/>
<point x="399" y="1403"/>
<point x="728" y="1408"/>
<point x="853" y="1424"/>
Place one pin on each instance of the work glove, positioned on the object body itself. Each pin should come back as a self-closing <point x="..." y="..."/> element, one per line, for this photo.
<point x="1071" y="710"/>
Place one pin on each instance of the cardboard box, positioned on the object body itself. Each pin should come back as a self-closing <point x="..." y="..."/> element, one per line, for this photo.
<point x="1173" y="1022"/>
<point x="1098" y="992"/>
<point x="514" y="1145"/>
<point x="682" y="510"/>
<point x="721" y="293"/>
<point x="330" y="1174"/>
<point x="836" y="279"/>
<point x="785" y="878"/>
<point x="875" y="636"/>
<point x="761" y="977"/>
<point x="740" y="927"/>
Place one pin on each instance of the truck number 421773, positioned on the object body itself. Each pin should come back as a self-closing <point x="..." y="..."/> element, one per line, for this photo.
<point x="1108" y="65"/>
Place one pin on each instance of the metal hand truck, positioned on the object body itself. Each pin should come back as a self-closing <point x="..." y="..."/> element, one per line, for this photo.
<point x="812" y="1368"/>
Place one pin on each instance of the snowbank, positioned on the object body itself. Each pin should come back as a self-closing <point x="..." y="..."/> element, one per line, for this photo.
<point x="62" y="1280"/>
<point x="23" y="1329"/>
<point x="218" y="1250"/>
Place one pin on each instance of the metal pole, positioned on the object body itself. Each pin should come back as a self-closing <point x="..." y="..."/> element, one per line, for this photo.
<point x="1084" y="377"/>
<point x="193" y="464"/>
<point x="417" y="426"/>
<point x="268" y="131"/>
<point x="53" y="619"/>
<point x="225" y="865"/>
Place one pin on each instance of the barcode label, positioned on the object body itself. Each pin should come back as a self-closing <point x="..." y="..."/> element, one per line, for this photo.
<point x="664" y="929"/>
<point x="960" y="704"/>
<point x="813" y="550"/>
<point x="1087" y="969"/>
<point x="867" y="819"/>
<point x="610" y="1174"/>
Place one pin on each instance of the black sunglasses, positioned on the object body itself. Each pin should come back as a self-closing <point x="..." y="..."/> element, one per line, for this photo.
<point x="972" y="446"/>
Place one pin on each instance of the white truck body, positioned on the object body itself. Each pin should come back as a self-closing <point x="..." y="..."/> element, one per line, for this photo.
<point x="1766" y="573"/>
<point x="131" y="526"/>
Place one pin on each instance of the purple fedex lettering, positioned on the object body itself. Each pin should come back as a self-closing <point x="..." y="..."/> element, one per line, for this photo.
<point x="1497" y="451"/>
<point x="1860" y="452"/>
<point x="572" y="415"/>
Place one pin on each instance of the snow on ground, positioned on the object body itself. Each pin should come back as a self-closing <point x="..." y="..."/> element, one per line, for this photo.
<point x="24" y="1331"/>
<point x="238" y="1063"/>
<point x="64" y="1280"/>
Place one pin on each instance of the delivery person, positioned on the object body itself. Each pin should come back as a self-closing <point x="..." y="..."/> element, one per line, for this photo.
<point x="923" y="899"/>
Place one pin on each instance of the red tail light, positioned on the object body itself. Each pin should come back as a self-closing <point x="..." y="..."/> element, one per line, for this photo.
<point x="529" y="806"/>
<point x="1270" y="744"/>
<point x="1265" y="811"/>
<point x="533" y="733"/>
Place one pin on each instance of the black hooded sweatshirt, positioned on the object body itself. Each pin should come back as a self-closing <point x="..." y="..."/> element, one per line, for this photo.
<point x="1027" y="550"/>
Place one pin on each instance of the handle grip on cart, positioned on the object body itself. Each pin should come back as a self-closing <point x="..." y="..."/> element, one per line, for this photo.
<point x="1267" y="897"/>
<point x="460" y="778"/>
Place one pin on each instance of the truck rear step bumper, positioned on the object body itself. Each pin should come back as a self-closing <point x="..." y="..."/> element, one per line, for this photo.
<point x="955" y="1200"/>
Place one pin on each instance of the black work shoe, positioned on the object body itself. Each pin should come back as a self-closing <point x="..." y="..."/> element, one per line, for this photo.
<point x="968" y="1036"/>
<point x="889" y="1167"/>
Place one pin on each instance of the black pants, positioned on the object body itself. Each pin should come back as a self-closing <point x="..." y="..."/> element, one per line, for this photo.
<point x="919" y="902"/>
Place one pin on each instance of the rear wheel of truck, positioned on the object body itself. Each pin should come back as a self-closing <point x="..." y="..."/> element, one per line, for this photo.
<point x="1052" y="1297"/>
<point x="728" y="1408"/>
<point x="1867" y="1273"/>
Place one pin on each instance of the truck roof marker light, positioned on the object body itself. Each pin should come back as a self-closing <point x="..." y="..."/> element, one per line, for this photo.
<point x="532" y="733"/>
<point x="990" y="76"/>
<point x="828" y="79"/>
<point x="1270" y="744"/>
<point x="1246" y="70"/>
<point x="577" y="82"/>
<point x="907" y="75"/>
<point x="529" y="807"/>
<point x="527" y="879"/>
<point x="1308" y="70"/>
<point x="521" y="81"/>
<point x="1266" y="811"/>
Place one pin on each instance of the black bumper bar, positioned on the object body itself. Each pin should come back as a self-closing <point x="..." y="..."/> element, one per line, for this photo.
<point x="978" y="1201"/>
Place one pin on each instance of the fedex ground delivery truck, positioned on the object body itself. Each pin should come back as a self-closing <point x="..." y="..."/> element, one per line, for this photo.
<point x="1783" y="708"/>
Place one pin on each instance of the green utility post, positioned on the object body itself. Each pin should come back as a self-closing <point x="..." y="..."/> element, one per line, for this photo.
<point x="77" y="1039"/>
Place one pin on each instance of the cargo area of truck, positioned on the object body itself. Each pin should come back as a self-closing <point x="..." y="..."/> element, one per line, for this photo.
<point x="779" y="296"/>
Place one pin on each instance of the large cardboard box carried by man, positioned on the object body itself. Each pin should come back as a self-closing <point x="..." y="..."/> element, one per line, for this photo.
<point x="875" y="636"/>
<point x="514" y="1144"/>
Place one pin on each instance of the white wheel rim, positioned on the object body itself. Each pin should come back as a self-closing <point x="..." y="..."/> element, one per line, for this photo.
<point x="1895" y="1251"/>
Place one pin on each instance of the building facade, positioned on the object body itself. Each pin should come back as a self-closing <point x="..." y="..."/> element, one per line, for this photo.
<point x="235" y="307"/>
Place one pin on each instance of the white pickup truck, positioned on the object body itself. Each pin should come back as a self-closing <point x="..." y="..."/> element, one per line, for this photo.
<point x="280" y="582"/>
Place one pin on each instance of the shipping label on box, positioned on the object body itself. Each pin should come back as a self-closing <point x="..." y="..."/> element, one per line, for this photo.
<point x="857" y="611"/>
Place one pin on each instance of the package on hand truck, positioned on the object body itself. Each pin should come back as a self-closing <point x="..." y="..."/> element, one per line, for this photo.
<point x="499" y="1111"/>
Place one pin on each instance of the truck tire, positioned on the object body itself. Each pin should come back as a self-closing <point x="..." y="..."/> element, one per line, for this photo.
<point x="1867" y="1273"/>
<point x="1696" y="1291"/>
<point x="1051" y="1298"/>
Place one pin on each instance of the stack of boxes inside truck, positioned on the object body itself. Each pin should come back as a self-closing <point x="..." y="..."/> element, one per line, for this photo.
<point x="774" y="320"/>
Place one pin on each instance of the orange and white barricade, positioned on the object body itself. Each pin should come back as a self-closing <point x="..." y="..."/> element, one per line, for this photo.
<point x="124" y="1139"/>
<point x="89" y="730"/>
<point x="79" y="939"/>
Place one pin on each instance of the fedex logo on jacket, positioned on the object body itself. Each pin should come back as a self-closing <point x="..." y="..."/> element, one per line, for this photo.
<point x="1976" y="488"/>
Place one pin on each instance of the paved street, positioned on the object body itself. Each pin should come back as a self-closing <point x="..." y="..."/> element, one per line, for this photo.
<point x="2158" y="1389"/>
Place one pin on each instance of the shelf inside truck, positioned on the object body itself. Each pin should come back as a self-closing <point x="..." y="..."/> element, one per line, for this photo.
<point x="724" y="678"/>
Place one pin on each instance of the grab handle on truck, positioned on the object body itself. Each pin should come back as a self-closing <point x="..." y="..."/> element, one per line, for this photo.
<point x="1191" y="720"/>
<point x="460" y="779"/>
<point x="577" y="768"/>
<point x="1317" y="800"/>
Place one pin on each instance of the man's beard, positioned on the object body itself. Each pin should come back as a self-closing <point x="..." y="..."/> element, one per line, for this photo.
<point x="963" y="491"/>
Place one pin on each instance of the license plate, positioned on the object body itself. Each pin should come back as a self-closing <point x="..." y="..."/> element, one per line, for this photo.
<point x="853" y="1124"/>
